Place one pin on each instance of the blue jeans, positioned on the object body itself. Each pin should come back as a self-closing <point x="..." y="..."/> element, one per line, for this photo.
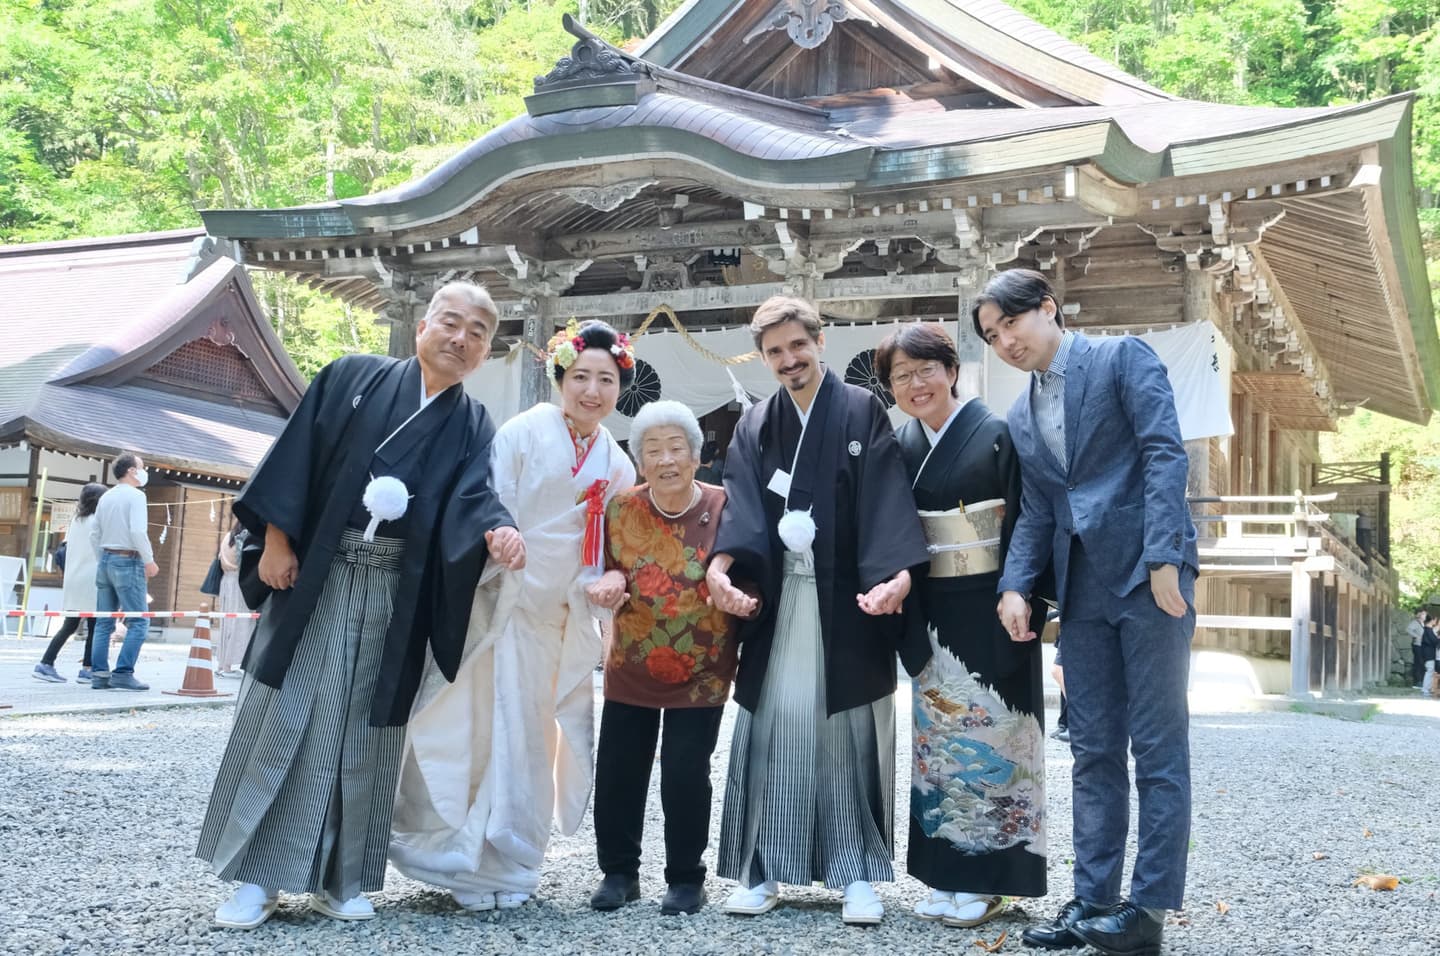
<point x="119" y="586"/>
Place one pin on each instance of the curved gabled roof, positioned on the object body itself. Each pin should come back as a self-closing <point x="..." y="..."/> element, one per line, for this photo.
<point x="987" y="42"/>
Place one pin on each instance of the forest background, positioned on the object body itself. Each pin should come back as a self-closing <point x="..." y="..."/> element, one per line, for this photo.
<point x="129" y="115"/>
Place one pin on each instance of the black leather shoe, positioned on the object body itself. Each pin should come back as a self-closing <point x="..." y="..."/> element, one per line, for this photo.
<point x="1126" y="930"/>
<point x="1057" y="934"/>
<point x="614" y="892"/>
<point x="687" y="898"/>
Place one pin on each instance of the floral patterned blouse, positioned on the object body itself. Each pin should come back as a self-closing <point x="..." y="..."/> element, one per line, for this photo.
<point x="668" y="647"/>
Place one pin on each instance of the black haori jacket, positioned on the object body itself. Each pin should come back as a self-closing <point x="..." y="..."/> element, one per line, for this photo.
<point x="309" y="484"/>
<point x="850" y="474"/>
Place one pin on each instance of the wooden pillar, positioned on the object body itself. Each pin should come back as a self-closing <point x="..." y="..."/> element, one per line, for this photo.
<point x="27" y="517"/>
<point x="1197" y="479"/>
<point x="534" y="386"/>
<point x="1300" y="619"/>
<point x="404" y="317"/>
<point x="971" y="347"/>
<point x="1263" y="455"/>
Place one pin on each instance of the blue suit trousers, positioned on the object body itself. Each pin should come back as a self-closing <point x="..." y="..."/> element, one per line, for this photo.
<point x="1127" y="667"/>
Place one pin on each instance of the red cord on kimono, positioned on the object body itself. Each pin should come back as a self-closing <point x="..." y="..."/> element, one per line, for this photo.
<point x="591" y="553"/>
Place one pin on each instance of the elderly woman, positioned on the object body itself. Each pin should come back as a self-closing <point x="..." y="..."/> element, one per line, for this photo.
<point x="672" y="657"/>
<point x="495" y="754"/>
<point x="977" y="791"/>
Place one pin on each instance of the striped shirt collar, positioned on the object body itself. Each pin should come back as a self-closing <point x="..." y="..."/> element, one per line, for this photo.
<point x="1061" y="360"/>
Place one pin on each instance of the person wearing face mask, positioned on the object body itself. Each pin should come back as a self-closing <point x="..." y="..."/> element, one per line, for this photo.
<point x="506" y="747"/>
<point x="125" y="562"/>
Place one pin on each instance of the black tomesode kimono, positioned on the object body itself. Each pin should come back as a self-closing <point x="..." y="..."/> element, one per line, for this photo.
<point x="866" y="531"/>
<point x="310" y="485"/>
<point x="977" y="798"/>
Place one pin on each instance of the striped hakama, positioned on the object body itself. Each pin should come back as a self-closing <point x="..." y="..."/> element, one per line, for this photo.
<point x="808" y="798"/>
<point x="306" y="787"/>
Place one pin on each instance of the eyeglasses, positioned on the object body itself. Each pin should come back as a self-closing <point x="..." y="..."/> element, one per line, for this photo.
<point x="922" y="374"/>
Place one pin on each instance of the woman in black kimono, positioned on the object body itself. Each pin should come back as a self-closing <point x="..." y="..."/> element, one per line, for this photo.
<point x="977" y="795"/>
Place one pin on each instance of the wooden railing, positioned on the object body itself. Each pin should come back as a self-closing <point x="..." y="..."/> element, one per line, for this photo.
<point x="1353" y="472"/>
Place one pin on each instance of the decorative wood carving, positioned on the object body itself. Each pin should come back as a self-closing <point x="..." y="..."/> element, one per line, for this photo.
<point x="665" y="274"/>
<point x="809" y="22"/>
<point x="605" y="198"/>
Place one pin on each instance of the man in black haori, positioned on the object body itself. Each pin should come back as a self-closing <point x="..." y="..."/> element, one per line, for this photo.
<point x="815" y="513"/>
<point x="377" y="515"/>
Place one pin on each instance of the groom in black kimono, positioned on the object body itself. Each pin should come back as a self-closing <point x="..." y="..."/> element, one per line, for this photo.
<point x="811" y="787"/>
<point x="354" y="587"/>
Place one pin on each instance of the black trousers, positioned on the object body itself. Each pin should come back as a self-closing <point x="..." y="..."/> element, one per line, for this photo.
<point x="1063" y="721"/>
<point x="71" y="625"/>
<point x="622" y="782"/>
<point x="1418" y="671"/>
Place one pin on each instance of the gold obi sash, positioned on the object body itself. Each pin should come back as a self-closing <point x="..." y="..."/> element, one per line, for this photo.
<point x="964" y="541"/>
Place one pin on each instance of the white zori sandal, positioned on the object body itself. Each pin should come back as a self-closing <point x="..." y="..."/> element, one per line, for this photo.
<point x="754" y="901"/>
<point x="250" y="906"/>
<point x="972" y="910"/>
<point x="355" y="908"/>
<point x="938" y="905"/>
<point x="862" y="905"/>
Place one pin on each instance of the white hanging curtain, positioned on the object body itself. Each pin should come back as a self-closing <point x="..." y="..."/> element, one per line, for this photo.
<point x="1196" y="357"/>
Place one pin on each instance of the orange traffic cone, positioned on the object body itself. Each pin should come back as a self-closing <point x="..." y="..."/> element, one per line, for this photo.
<point x="200" y="673"/>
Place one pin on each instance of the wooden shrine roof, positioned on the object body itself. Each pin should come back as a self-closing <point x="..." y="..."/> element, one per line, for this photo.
<point x="610" y="140"/>
<point x="132" y="342"/>
<point x="990" y="45"/>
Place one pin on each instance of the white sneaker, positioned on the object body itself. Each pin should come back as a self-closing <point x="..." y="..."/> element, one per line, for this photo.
<point x="755" y="900"/>
<point x="250" y="906"/>
<point x="862" y="905"/>
<point x="355" y="908"/>
<point x="939" y="904"/>
<point x="475" y="902"/>
<point x="511" y="901"/>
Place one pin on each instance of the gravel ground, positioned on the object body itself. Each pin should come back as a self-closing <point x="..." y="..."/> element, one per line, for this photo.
<point x="99" y="814"/>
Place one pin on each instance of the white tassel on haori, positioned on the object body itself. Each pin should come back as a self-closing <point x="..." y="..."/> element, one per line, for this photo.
<point x="386" y="498"/>
<point x="797" y="530"/>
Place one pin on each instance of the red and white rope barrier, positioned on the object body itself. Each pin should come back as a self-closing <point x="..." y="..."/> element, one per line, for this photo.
<point x="118" y="615"/>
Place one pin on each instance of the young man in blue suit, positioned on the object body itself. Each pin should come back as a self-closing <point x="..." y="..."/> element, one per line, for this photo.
<point x="1103" y="475"/>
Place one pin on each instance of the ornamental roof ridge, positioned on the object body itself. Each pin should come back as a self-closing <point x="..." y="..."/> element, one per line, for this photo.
<point x="597" y="73"/>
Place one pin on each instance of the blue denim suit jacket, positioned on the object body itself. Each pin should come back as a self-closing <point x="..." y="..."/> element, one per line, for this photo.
<point x="1123" y="493"/>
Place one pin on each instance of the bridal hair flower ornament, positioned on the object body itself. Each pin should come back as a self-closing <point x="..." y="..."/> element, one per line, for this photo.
<point x="566" y="345"/>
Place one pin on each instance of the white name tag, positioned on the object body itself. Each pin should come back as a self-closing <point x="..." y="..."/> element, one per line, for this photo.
<point x="780" y="483"/>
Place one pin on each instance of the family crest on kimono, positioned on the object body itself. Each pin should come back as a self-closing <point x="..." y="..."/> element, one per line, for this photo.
<point x="977" y="791"/>
<point x="377" y="516"/>
<point x="1103" y="475"/>
<point x="811" y="515"/>
<point x="670" y="660"/>
<point x="497" y="754"/>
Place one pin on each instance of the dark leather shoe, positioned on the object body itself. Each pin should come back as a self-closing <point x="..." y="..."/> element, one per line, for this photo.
<point x="1126" y="930"/>
<point x="687" y="898"/>
<point x="614" y="892"/>
<point x="1057" y="934"/>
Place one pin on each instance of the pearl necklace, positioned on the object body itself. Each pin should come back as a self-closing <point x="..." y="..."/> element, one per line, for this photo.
<point x="694" y="500"/>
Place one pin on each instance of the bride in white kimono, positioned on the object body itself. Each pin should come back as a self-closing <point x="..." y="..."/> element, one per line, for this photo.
<point x="476" y="819"/>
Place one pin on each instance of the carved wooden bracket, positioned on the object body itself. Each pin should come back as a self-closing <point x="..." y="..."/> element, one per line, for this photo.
<point x="605" y="198"/>
<point x="808" y="22"/>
